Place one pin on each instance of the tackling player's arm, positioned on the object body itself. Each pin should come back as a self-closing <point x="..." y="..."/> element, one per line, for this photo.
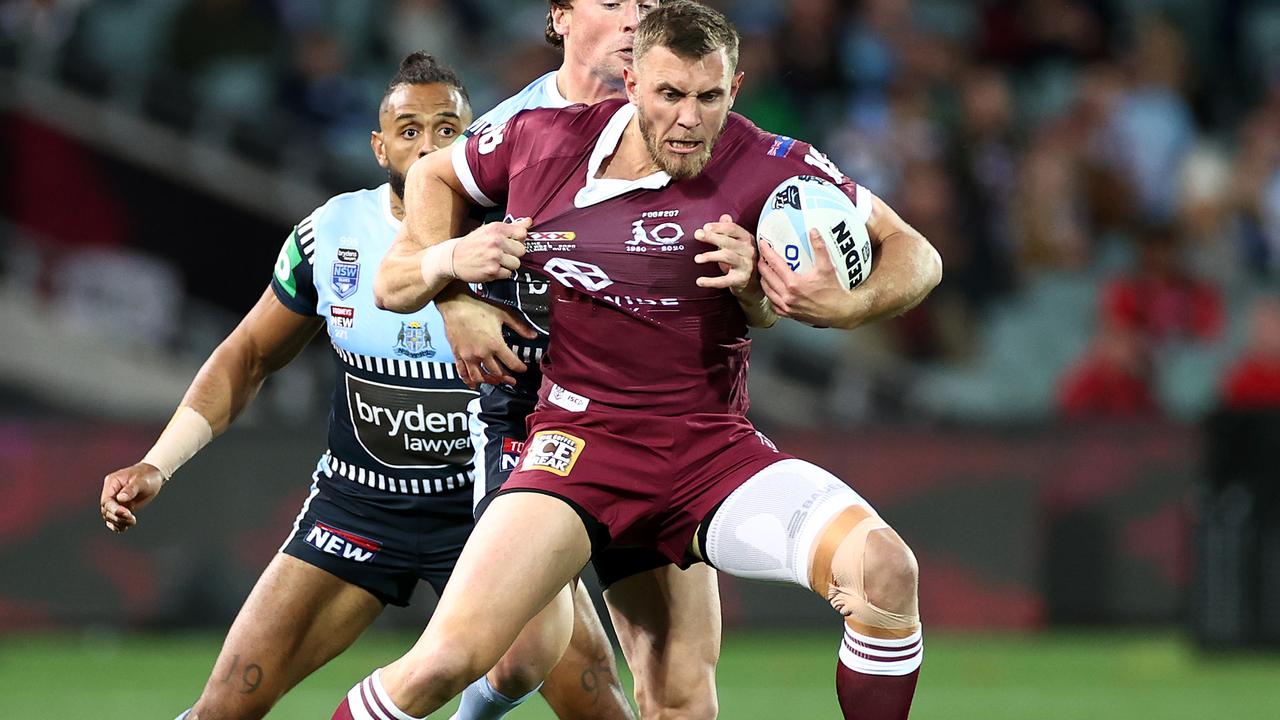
<point x="428" y="254"/>
<point x="907" y="268"/>
<point x="268" y="338"/>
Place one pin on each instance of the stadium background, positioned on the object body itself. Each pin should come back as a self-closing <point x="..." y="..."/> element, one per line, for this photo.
<point x="1076" y="432"/>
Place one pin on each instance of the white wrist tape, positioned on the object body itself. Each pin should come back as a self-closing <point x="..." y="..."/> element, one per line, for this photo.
<point x="437" y="262"/>
<point x="182" y="438"/>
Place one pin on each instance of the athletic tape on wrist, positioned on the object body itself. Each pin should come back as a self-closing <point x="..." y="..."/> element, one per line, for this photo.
<point x="187" y="432"/>
<point x="437" y="262"/>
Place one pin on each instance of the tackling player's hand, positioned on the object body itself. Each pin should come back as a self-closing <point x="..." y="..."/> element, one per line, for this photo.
<point x="474" y="330"/>
<point x="735" y="253"/>
<point x="125" y="491"/>
<point x="816" y="297"/>
<point x="490" y="252"/>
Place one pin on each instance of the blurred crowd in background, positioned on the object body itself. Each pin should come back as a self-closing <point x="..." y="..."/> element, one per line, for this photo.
<point x="1101" y="177"/>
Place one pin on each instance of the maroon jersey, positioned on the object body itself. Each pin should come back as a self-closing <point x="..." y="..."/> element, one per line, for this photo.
<point x="631" y="329"/>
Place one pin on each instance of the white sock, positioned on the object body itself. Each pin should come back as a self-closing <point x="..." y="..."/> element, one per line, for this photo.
<point x="480" y="701"/>
<point x="369" y="700"/>
<point x="183" y="715"/>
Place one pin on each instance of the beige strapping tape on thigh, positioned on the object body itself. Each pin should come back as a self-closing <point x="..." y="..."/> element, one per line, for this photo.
<point x="848" y="595"/>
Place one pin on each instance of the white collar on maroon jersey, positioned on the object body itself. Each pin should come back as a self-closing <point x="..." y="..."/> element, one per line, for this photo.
<point x="597" y="190"/>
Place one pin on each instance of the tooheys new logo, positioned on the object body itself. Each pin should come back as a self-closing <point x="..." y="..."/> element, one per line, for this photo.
<point x="410" y="427"/>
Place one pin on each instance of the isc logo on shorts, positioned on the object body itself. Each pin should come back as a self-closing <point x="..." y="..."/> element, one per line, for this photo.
<point x="553" y="451"/>
<point x="347" y="545"/>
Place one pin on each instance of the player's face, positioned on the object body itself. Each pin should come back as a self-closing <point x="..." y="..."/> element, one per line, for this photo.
<point x="598" y="34"/>
<point x="416" y="119"/>
<point x="682" y="106"/>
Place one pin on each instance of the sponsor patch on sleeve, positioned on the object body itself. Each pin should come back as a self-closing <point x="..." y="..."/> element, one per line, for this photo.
<point x="553" y="451"/>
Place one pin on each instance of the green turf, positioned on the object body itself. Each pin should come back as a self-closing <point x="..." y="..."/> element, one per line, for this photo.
<point x="987" y="677"/>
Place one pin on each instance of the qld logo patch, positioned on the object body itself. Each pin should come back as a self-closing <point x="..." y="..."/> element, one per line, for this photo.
<point x="553" y="451"/>
<point x="345" y="279"/>
<point x="341" y="543"/>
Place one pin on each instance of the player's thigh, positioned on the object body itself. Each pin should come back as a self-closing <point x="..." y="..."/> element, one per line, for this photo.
<point x="668" y="624"/>
<point x="297" y="618"/>
<point x="837" y="529"/>
<point x="525" y="548"/>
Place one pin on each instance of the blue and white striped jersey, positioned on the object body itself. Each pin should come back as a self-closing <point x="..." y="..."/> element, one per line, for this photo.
<point x="399" y="415"/>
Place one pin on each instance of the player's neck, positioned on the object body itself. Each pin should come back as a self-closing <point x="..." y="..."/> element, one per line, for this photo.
<point x="631" y="160"/>
<point x="579" y="84"/>
<point x="397" y="206"/>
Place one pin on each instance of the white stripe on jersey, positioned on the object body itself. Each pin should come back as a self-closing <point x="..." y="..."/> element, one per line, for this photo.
<point x="463" y="169"/>
<point x="374" y="479"/>
<point x="417" y="369"/>
<point x="306" y="505"/>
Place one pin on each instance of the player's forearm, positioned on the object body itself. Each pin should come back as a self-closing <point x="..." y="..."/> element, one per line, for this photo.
<point x="412" y="273"/>
<point x="217" y="394"/>
<point x="758" y="309"/>
<point x="227" y="382"/>
<point x="907" y="269"/>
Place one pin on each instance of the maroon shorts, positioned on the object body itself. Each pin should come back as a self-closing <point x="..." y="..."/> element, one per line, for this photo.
<point x="647" y="480"/>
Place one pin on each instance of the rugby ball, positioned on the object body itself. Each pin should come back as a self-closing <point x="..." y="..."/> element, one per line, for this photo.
<point x="804" y="202"/>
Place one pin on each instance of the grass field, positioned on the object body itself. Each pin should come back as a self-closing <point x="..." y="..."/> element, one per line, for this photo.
<point x="987" y="677"/>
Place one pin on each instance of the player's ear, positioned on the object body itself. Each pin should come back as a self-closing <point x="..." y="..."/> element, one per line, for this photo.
<point x="734" y="87"/>
<point x="629" y="82"/>
<point x="561" y="19"/>
<point x="379" y="148"/>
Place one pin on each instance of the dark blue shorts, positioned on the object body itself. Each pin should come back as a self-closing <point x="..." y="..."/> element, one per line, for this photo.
<point x="498" y="432"/>
<point x="380" y="541"/>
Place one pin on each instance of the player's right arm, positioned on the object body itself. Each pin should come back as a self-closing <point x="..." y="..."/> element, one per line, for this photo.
<point x="428" y="254"/>
<point x="268" y="338"/>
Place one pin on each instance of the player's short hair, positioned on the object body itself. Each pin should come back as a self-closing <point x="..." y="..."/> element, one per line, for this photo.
<point x="688" y="29"/>
<point x="421" y="68"/>
<point x="553" y="37"/>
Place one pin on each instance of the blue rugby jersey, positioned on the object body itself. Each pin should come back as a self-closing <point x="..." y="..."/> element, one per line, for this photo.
<point x="399" y="413"/>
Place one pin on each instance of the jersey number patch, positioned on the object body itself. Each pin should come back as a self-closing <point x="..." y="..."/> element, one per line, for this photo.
<point x="491" y="139"/>
<point x="823" y="163"/>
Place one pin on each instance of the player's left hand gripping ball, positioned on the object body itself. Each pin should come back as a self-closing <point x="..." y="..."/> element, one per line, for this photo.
<point x="735" y="253"/>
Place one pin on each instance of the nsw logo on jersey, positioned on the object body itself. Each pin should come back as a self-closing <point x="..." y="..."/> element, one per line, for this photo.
<point x="553" y="451"/>
<point x="414" y="340"/>
<point x="345" y="278"/>
<point x="342" y="543"/>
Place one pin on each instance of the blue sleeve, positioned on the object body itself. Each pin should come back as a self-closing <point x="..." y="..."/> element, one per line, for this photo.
<point x="293" y="278"/>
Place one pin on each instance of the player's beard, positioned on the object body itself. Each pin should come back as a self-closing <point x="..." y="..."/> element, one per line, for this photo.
<point x="679" y="167"/>
<point x="397" y="180"/>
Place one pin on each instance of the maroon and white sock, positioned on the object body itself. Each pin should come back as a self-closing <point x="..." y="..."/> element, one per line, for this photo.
<point x="369" y="700"/>
<point x="876" y="677"/>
